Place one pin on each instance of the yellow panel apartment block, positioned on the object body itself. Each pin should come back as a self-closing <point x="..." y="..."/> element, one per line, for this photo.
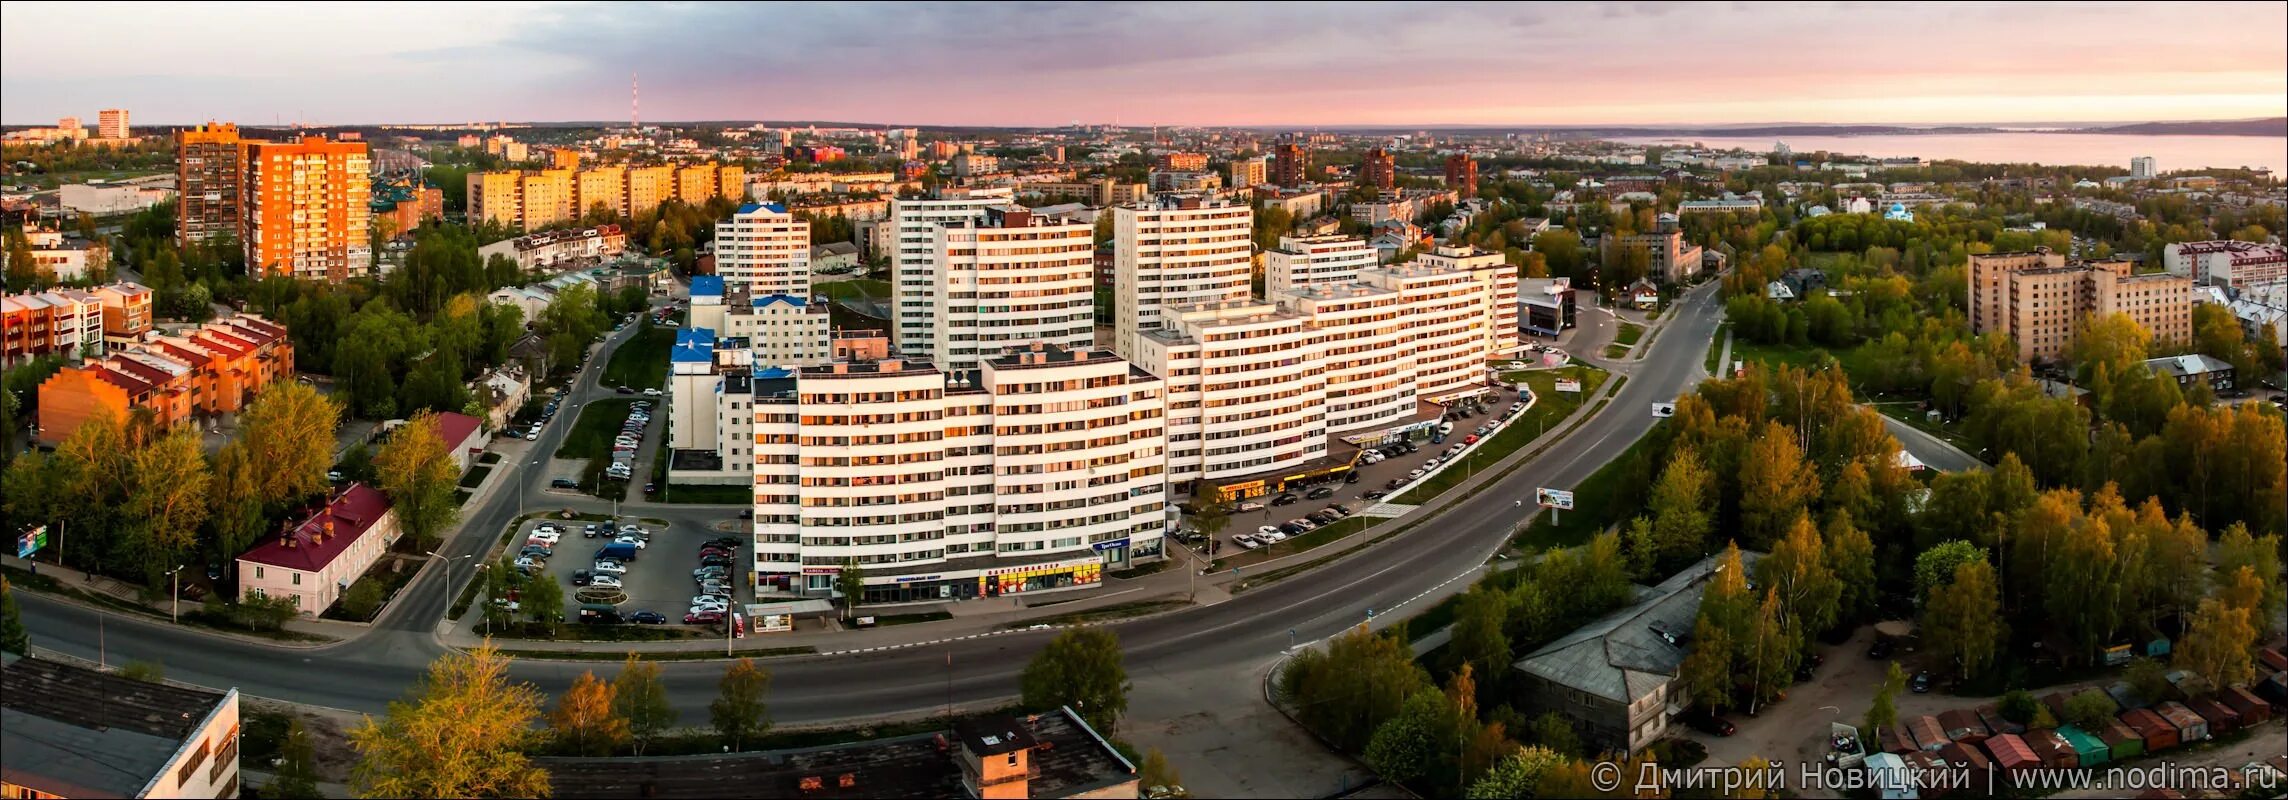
<point x="606" y="185"/>
<point x="695" y="185"/>
<point x="731" y="183"/>
<point x="547" y="198"/>
<point x="647" y="186"/>
<point x="497" y="197"/>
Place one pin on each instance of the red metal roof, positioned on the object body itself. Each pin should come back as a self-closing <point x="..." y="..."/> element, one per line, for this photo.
<point x="456" y="428"/>
<point x="308" y="547"/>
<point x="226" y="341"/>
<point x="144" y="372"/>
<point x="187" y="355"/>
<point x="136" y="387"/>
<point x="2011" y="752"/>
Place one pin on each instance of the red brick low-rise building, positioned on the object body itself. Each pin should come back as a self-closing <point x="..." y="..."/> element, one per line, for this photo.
<point x="216" y="369"/>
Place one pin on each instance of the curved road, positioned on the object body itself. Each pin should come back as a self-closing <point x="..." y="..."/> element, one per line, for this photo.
<point x="1230" y="639"/>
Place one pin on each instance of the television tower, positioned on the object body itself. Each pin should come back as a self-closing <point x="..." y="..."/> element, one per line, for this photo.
<point x="635" y="105"/>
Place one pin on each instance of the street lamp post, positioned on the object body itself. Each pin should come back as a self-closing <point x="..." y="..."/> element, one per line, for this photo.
<point x="449" y="575"/>
<point x="486" y="609"/>
<point x="176" y="604"/>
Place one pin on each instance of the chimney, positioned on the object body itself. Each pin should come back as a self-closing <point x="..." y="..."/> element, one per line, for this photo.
<point x="329" y="529"/>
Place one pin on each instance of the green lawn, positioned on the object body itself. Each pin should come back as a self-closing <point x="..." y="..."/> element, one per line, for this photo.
<point x="592" y="435"/>
<point x="1553" y="407"/>
<point x="642" y="361"/>
<point x="853" y="289"/>
<point x="1630" y="333"/>
<point x="1716" y="347"/>
<point x="1605" y="498"/>
<point x="705" y="494"/>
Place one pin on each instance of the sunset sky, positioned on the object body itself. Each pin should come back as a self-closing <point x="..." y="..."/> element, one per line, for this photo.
<point x="1027" y="64"/>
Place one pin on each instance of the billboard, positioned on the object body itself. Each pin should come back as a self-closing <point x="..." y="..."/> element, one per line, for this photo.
<point x="31" y="541"/>
<point x="1559" y="499"/>
<point x="1567" y="385"/>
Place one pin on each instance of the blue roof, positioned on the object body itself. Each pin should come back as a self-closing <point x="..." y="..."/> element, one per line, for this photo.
<point x="707" y="285"/>
<point x="695" y="336"/>
<point x="693" y="346"/>
<point x="774" y="208"/>
<point x="768" y="299"/>
<point x="774" y="373"/>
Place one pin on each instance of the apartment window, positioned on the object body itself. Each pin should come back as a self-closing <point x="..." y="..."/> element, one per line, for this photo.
<point x="297" y="579"/>
<point x="258" y="572"/>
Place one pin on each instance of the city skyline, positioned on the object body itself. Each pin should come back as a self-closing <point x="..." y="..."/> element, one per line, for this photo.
<point x="1153" y="64"/>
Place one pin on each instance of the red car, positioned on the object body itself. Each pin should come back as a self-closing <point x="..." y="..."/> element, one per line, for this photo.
<point x="702" y="617"/>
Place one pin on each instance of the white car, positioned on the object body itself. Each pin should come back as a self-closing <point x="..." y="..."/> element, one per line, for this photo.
<point x="634" y="540"/>
<point x="710" y="601"/>
<point x="651" y="392"/>
<point x="609" y="568"/>
<point x="526" y="564"/>
<point x="1267" y="530"/>
<point x="544" y="537"/>
<point x="532" y="435"/>
<point x="717" y="590"/>
<point x="603" y="582"/>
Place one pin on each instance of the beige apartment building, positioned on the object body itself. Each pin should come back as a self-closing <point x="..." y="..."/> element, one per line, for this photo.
<point x="2041" y="302"/>
<point x="607" y="185"/>
<point x="648" y="187"/>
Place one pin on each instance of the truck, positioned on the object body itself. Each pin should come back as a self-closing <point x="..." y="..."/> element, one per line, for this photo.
<point x="617" y="550"/>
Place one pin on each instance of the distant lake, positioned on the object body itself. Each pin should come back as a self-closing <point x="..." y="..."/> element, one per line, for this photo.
<point x="2170" y="153"/>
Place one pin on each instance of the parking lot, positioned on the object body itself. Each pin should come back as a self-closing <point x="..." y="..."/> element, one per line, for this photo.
<point x="1377" y="479"/>
<point x="659" y="579"/>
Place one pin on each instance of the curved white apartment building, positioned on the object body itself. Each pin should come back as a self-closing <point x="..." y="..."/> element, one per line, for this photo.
<point x="1176" y="250"/>
<point x="1246" y="393"/>
<point x="1461" y="311"/>
<point x="917" y="280"/>
<point x="1040" y="471"/>
<point x="1365" y="346"/>
<point x="1303" y="261"/>
<point x="1008" y="280"/>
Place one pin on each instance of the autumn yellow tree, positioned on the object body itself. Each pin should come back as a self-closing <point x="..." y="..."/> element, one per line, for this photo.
<point x="167" y="500"/>
<point x="287" y="435"/>
<point x="418" y="474"/>
<point x="583" y="720"/>
<point x="2217" y="641"/>
<point x="1776" y="485"/>
<point x="464" y="733"/>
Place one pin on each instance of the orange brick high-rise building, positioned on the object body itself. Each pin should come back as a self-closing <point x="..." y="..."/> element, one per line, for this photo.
<point x="308" y="209"/>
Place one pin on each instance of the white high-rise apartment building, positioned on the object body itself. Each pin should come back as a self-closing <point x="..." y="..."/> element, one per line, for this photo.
<point x="1461" y="311"/>
<point x="1176" y="250"/>
<point x="763" y="250"/>
<point x="1008" y="280"/>
<point x="1041" y="473"/>
<point x="1362" y="338"/>
<point x="1302" y="261"/>
<point x="914" y="258"/>
<point x="2141" y="168"/>
<point x="762" y="283"/>
<point x="1246" y="393"/>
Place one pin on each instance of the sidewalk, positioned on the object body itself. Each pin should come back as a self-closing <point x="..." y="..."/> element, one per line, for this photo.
<point x="128" y="594"/>
<point x="971" y="619"/>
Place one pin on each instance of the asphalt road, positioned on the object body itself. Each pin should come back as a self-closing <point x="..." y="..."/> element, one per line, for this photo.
<point x="1242" y="634"/>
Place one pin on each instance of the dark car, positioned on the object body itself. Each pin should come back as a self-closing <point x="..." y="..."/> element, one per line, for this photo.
<point x="648" y="618"/>
<point x="649" y="487"/>
<point x="1710" y="724"/>
<point x="625" y="390"/>
<point x="715" y="561"/>
<point x="563" y="483"/>
<point x="1285" y="498"/>
<point x="581" y="577"/>
<point x="715" y="552"/>
<point x="1922" y="682"/>
<point x="1881" y="650"/>
<point x="1393" y="485"/>
<point x="1293" y="529"/>
<point x="726" y="541"/>
<point x="1375" y="495"/>
<point x="1338" y="511"/>
<point x="1321" y="493"/>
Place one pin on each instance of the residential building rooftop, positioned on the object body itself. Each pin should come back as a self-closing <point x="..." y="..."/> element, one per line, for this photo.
<point x="76" y="732"/>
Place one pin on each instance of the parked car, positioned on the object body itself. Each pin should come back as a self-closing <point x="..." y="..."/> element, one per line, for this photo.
<point x="1416" y="472"/>
<point x="1267" y="529"/>
<point x="710" y="600"/>
<point x="1708" y="723"/>
<point x="648" y="618"/>
<point x="715" y="561"/>
<point x="1338" y="510"/>
<point x="702" y="617"/>
<point x="1320" y="493"/>
<point x="1249" y="507"/>
<point x="563" y="483"/>
<point x="710" y="573"/>
<point x="1922" y="682"/>
<point x="532" y="434"/>
<point x="726" y="541"/>
<point x="1376" y="494"/>
<point x="1881" y="649"/>
<point x="1293" y="529"/>
<point x="335" y="476"/>
<point x="1470" y="439"/>
<point x="1393" y="485"/>
<point x="651" y="392"/>
<point x="544" y="536"/>
<point x="1285" y="498"/>
<point x="625" y="390"/>
<point x="528" y="565"/>
<point x="582" y="577"/>
<point x="1246" y="541"/>
<point x="638" y="541"/>
<point x="536" y="552"/>
<point x="604" y="582"/>
<point x="1304" y="523"/>
<point x="609" y="568"/>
